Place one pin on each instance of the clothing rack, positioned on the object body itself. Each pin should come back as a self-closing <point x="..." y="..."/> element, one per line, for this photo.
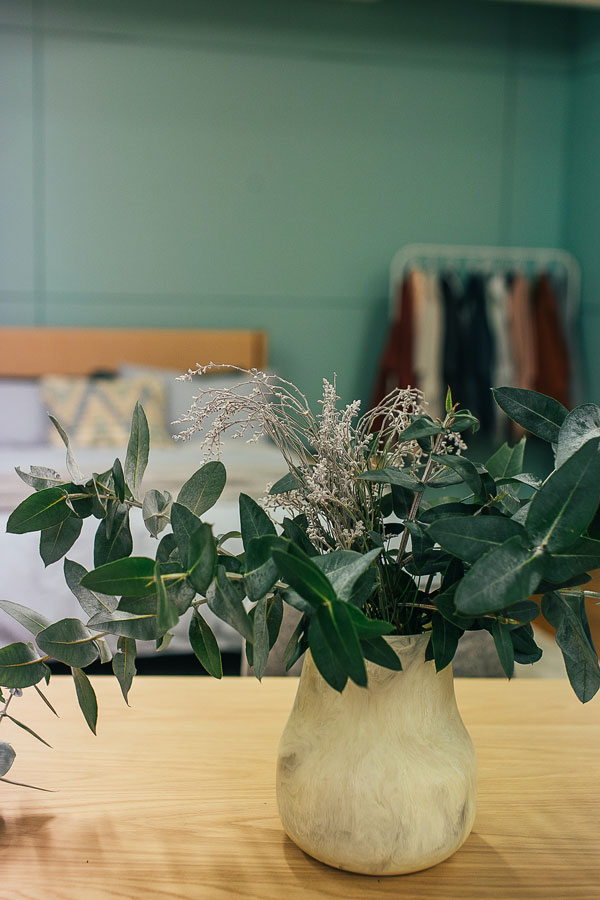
<point x="497" y="258"/>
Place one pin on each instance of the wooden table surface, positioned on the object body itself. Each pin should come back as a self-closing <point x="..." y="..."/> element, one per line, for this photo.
<point x="175" y="798"/>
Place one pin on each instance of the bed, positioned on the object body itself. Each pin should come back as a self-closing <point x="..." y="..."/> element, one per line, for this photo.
<point x="27" y="356"/>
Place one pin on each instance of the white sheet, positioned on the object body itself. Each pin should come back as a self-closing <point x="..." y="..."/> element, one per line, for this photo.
<point x="24" y="579"/>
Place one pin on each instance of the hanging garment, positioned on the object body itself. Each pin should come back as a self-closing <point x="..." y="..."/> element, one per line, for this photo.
<point x="453" y="340"/>
<point x="428" y="339"/>
<point x="553" y="369"/>
<point x="520" y="325"/>
<point x="396" y="364"/>
<point x="503" y="371"/>
<point x="480" y="356"/>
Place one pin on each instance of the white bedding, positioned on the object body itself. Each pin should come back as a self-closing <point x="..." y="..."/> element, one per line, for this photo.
<point x="24" y="579"/>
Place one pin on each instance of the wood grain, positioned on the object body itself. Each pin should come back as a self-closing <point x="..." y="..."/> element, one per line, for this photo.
<point x="175" y="798"/>
<point x="31" y="352"/>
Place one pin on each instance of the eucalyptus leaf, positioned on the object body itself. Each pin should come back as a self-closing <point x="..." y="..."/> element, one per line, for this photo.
<point x="69" y="641"/>
<point x="507" y="461"/>
<point x="202" y="558"/>
<point x="123" y="664"/>
<point x="203" y="489"/>
<point x="119" y="480"/>
<point x="580" y="557"/>
<point x="392" y="475"/>
<point x="420" y="427"/>
<point x="166" y="613"/>
<point x="344" y="578"/>
<point x="132" y="575"/>
<point x="378" y="651"/>
<point x="581" y="424"/>
<point x="469" y="538"/>
<point x="296" y="646"/>
<point x="72" y="464"/>
<point x="304" y="577"/>
<point x="225" y="602"/>
<point x="184" y="523"/>
<point x="91" y="602"/>
<point x="261" y="645"/>
<point x="20" y="666"/>
<point x="43" y="509"/>
<point x="503" y="576"/>
<point x="30" y="619"/>
<point x="7" y="757"/>
<point x="444" y="638"/>
<point x="568" y="616"/>
<point x="463" y="468"/>
<point x="86" y="697"/>
<point x="156" y="511"/>
<point x="539" y="414"/>
<point x="325" y="660"/>
<point x="205" y="646"/>
<point x="287" y="483"/>
<point x="28" y="730"/>
<point x="340" y="633"/>
<point x="136" y="458"/>
<point x="261" y="571"/>
<point x="565" y="504"/>
<point x="139" y="626"/>
<point x="296" y="533"/>
<point x="118" y="542"/>
<point x="254" y="521"/>
<point x="504" y="647"/>
<point x="58" y="540"/>
<point x="40" y="477"/>
<point x="525" y="648"/>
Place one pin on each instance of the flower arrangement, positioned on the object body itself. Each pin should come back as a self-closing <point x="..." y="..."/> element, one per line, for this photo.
<point x="380" y="526"/>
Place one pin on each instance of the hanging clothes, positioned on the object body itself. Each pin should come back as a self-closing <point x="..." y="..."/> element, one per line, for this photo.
<point x="396" y="365"/>
<point x="429" y="329"/>
<point x="480" y="359"/>
<point x="553" y="370"/>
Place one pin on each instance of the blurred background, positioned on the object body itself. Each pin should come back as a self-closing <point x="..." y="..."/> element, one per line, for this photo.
<point x="227" y="163"/>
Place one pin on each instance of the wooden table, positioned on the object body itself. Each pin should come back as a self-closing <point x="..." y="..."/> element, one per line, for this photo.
<point x="175" y="798"/>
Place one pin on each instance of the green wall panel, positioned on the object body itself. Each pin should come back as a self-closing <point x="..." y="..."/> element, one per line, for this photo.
<point x="222" y="164"/>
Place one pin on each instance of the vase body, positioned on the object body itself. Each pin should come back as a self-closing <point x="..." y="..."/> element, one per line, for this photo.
<point x="379" y="780"/>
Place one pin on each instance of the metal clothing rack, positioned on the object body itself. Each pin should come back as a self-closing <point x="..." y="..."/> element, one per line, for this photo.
<point x="497" y="258"/>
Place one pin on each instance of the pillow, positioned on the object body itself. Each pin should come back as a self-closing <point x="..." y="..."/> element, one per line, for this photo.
<point x="96" y="412"/>
<point x="24" y="420"/>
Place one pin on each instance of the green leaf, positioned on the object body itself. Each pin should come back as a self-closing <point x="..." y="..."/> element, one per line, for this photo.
<point x="91" y="602"/>
<point x="28" y="730"/>
<point x="69" y="641"/>
<point x="30" y="619"/>
<point x="86" y="697"/>
<point x="226" y="603"/>
<point x="139" y="626"/>
<point x="444" y="637"/>
<point x="464" y="420"/>
<point x="525" y="648"/>
<point x="469" y="538"/>
<point x="420" y="427"/>
<point x="344" y="578"/>
<point x="166" y="614"/>
<point x="72" y="464"/>
<point x="261" y="571"/>
<point x="204" y="488"/>
<point x="581" y="425"/>
<point x="204" y="645"/>
<point x="393" y="475"/>
<point x="581" y="556"/>
<point x="525" y="611"/>
<point x="119" y="480"/>
<point x="507" y="461"/>
<point x="296" y="646"/>
<point x="539" y="414"/>
<point x="568" y="616"/>
<point x="40" y="477"/>
<point x="184" y="523"/>
<point x="503" y="576"/>
<point x="133" y="576"/>
<point x="504" y="647"/>
<point x="378" y="651"/>
<point x="20" y="666"/>
<point x="156" y="510"/>
<point x="296" y="533"/>
<point x="464" y="468"/>
<point x="136" y="458"/>
<point x="253" y="520"/>
<point x="58" y="540"/>
<point x="117" y="543"/>
<point x="38" y="511"/>
<point x="202" y="558"/>
<point x="304" y="576"/>
<point x="444" y="601"/>
<point x="287" y="483"/>
<point x="261" y="646"/>
<point x="368" y="628"/>
<point x="7" y="757"/>
<point x="565" y="504"/>
<point x="104" y="650"/>
<point x="167" y="546"/>
<point x="123" y="664"/>
<point x="340" y="633"/>
<point x="326" y="662"/>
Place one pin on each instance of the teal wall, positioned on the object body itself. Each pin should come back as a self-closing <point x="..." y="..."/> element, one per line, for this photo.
<point x="223" y="163"/>
<point x="583" y="187"/>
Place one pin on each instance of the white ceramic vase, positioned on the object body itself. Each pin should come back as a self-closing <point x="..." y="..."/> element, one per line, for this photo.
<point x="379" y="780"/>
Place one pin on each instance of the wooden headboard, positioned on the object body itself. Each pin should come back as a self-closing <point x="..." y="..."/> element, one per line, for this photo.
<point x="34" y="351"/>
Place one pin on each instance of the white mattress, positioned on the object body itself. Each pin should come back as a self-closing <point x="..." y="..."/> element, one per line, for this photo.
<point x="24" y="579"/>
